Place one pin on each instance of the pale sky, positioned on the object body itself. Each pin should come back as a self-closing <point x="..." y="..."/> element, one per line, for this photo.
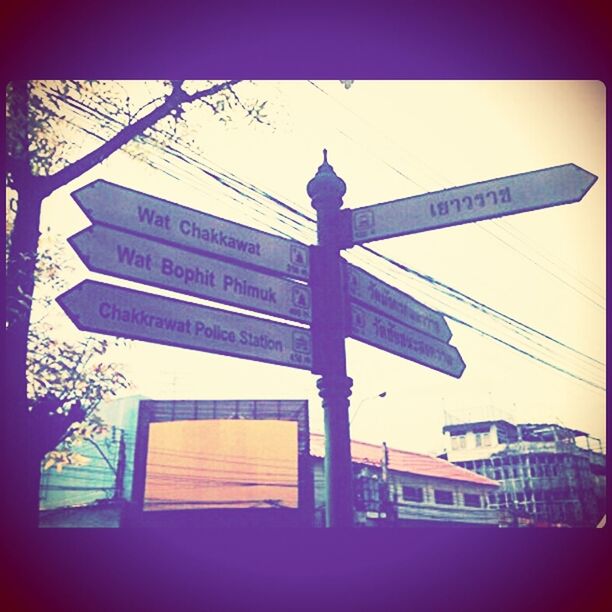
<point x="389" y="140"/>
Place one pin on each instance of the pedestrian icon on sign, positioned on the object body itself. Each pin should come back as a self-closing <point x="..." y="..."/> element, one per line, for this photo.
<point x="298" y="255"/>
<point x="300" y="296"/>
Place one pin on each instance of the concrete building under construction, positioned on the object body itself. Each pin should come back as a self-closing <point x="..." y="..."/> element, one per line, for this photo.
<point x="549" y="475"/>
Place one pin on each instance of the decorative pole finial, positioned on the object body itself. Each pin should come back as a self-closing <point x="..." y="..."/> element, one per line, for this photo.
<point x="326" y="188"/>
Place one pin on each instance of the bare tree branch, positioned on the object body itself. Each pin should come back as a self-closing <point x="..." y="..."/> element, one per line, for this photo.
<point x="176" y="98"/>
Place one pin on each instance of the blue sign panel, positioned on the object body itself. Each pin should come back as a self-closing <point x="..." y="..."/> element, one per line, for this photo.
<point x="386" y="334"/>
<point x="109" y="251"/>
<point x="142" y="214"/>
<point x="484" y="200"/>
<point x="118" y="311"/>
<point x="378" y="295"/>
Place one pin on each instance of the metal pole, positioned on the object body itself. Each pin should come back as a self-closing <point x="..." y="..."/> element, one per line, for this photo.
<point x="328" y="333"/>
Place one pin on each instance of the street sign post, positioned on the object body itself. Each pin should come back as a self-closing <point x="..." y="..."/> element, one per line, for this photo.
<point x="145" y="215"/>
<point x="384" y="333"/>
<point x="329" y="356"/>
<point x="118" y="311"/>
<point x="362" y="287"/>
<point x="145" y="239"/>
<point x="484" y="200"/>
<point x="109" y="251"/>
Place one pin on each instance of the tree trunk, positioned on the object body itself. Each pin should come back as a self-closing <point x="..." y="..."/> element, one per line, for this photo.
<point x="22" y="458"/>
<point x="24" y="476"/>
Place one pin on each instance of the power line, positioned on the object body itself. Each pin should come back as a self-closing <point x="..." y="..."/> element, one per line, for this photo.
<point x="190" y="160"/>
<point x="503" y="224"/>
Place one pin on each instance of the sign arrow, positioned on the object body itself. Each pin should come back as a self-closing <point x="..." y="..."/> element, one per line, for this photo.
<point x="110" y="251"/>
<point x="368" y="290"/>
<point x="484" y="200"/>
<point x="118" y="311"/>
<point x="152" y="217"/>
<point x="386" y="334"/>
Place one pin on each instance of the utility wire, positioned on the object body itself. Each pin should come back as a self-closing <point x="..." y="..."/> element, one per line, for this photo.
<point x="306" y="217"/>
<point x="497" y="223"/>
<point x="285" y="205"/>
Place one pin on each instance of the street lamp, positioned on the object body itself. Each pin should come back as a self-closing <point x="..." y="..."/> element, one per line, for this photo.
<point x="363" y="401"/>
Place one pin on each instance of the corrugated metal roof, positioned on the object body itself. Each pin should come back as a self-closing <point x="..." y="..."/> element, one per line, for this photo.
<point x="404" y="461"/>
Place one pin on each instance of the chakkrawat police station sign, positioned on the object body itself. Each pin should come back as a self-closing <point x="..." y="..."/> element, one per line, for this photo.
<point x="109" y="309"/>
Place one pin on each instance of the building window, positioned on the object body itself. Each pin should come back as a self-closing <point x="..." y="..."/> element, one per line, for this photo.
<point x="443" y="497"/>
<point x="486" y="439"/>
<point x="461" y="441"/>
<point x="455" y="443"/>
<point x="472" y="500"/>
<point x="478" y="440"/>
<point x="414" y="494"/>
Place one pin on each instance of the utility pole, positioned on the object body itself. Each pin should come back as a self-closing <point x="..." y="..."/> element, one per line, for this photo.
<point x="386" y="505"/>
<point x="329" y="355"/>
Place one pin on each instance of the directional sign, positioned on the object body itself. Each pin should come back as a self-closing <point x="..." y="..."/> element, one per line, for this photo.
<point x="370" y="291"/>
<point x="108" y="309"/>
<point x="386" y="334"/>
<point x="132" y="211"/>
<point x="474" y="202"/>
<point x="110" y="251"/>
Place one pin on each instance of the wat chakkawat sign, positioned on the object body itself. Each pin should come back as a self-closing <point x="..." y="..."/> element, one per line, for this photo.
<point x="142" y="214"/>
<point x="108" y="309"/>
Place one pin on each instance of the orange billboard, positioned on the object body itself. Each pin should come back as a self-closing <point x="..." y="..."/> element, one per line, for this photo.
<point x="216" y="464"/>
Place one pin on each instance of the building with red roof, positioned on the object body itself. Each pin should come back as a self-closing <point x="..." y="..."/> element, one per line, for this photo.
<point x="394" y="487"/>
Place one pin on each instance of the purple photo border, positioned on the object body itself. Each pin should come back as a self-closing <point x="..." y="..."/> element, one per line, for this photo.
<point x="356" y="570"/>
